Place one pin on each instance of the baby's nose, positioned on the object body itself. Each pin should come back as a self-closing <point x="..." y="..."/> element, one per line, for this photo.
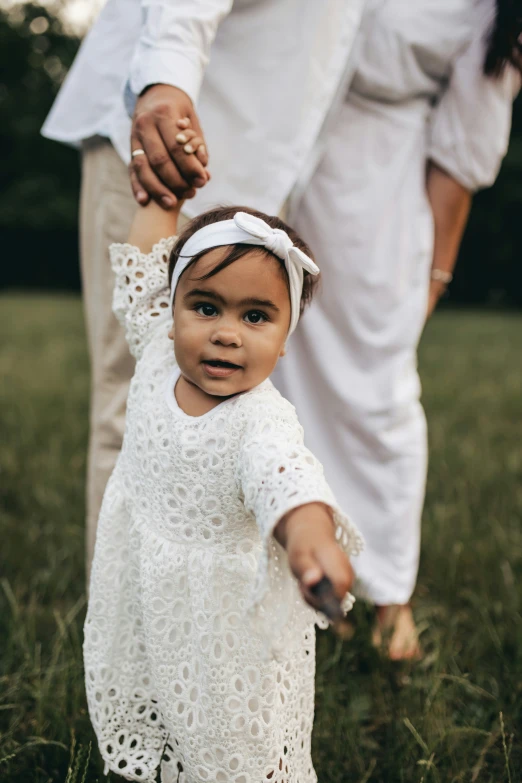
<point x="227" y="336"/>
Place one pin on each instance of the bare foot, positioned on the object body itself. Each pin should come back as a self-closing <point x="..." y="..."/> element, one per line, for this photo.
<point x="396" y="631"/>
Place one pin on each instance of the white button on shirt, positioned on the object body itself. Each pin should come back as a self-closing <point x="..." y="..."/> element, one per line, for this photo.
<point x="263" y="74"/>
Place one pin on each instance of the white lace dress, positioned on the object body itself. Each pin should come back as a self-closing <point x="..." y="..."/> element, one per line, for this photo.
<point x="199" y="651"/>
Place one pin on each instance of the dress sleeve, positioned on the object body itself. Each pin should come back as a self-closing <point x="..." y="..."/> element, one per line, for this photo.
<point x="278" y="473"/>
<point x="141" y="290"/>
<point x="470" y="127"/>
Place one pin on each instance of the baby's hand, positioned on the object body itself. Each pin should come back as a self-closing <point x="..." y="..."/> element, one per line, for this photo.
<point x="192" y="143"/>
<point x="308" y="535"/>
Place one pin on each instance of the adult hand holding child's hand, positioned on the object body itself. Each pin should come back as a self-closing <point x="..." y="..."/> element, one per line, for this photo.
<point x="308" y="535"/>
<point x="173" y="163"/>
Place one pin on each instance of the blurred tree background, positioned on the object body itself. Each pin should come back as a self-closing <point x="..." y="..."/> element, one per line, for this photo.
<point x="39" y="179"/>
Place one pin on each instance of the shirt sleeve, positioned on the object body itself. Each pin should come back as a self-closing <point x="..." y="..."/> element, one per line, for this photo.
<point x="174" y="45"/>
<point x="141" y="290"/>
<point x="469" y="132"/>
<point x="276" y="474"/>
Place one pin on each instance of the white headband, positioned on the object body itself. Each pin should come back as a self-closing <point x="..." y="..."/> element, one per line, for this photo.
<point x="249" y="230"/>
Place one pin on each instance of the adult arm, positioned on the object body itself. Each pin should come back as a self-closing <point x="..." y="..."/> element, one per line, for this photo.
<point x="469" y="136"/>
<point x="450" y="205"/>
<point x="165" y="78"/>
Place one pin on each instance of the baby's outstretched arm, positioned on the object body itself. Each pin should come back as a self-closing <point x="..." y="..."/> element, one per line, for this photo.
<point x="283" y="486"/>
<point x="152" y="223"/>
<point x="308" y="535"/>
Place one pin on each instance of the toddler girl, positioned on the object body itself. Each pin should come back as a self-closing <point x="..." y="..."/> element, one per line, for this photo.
<point x="199" y="648"/>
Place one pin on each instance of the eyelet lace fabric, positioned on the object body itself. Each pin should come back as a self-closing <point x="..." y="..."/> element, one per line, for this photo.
<point x="199" y="650"/>
<point x="141" y="290"/>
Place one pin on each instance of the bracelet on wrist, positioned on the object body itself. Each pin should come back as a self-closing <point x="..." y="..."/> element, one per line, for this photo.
<point x="441" y="276"/>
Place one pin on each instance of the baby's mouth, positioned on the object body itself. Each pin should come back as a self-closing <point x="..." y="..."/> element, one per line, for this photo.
<point x="217" y="368"/>
<point x="220" y="363"/>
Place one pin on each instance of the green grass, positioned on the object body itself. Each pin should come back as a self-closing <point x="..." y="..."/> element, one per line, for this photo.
<point x="457" y="716"/>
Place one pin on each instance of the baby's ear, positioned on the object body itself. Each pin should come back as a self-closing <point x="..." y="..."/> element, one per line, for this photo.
<point x="171" y="332"/>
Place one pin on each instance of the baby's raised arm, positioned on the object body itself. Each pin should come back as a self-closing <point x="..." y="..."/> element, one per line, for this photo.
<point x="140" y="266"/>
<point x="152" y="223"/>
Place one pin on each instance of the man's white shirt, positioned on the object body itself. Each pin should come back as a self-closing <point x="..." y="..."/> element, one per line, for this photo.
<point x="264" y="75"/>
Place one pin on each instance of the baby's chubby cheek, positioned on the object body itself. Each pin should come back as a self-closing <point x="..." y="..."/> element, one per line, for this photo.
<point x="178" y="353"/>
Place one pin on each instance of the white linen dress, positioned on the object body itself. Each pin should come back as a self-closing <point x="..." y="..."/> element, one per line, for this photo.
<point x="419" y="93"/>
<point x="199" y="650"/>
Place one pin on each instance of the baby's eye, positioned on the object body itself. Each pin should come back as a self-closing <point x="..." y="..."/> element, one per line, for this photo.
<point x="255" y="317"/>
<point x="206" y="309"/>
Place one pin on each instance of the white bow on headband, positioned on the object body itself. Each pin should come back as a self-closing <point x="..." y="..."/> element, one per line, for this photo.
<point x="250" y="230"/>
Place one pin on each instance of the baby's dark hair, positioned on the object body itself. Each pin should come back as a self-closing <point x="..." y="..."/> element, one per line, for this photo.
<point x="237" y="251"/>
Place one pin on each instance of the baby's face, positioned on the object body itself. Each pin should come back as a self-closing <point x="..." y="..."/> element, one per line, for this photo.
<point x="230" y="330"/>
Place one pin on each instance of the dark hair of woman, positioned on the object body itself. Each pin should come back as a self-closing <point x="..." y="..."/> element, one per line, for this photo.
<point x="505" y="41"/>
<point x="239" y="250"/>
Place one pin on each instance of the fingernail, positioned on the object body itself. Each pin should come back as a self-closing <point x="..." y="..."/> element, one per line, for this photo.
<point x="181" y="138"/>
<point x="310" y="576"/>
<point x="183" y="122"/>
<point x="188" y="148"/>
<point x="202" y="149"/>
<point x="141" y="195"/>
<point x="166" y="201"/>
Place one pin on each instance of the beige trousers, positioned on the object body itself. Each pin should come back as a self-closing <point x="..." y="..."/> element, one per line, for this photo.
<point x="106" y="211"/>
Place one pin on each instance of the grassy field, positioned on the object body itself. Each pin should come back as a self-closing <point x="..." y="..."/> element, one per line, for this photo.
<point x="457" y="716"/>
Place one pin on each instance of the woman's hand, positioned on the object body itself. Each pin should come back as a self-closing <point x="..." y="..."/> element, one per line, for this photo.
<point x="307" y="533"/>
<point x="437" y="289"/>
<point x="168" y="170"/>
<point x="450" y="203"/>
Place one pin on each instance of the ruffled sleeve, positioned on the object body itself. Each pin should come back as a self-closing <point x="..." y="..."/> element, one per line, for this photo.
<point x="470" y="126"/>
<point x="278" y="473"/>
<point x="141" y="290"/>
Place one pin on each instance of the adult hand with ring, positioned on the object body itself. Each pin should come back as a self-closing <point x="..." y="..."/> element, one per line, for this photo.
<point x="161" y="167"/>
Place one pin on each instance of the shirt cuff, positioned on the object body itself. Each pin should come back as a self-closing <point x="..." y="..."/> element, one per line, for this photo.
<point x="162" y="67"/>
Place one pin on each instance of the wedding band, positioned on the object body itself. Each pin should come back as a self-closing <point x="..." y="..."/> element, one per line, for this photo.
<point x="135" y="153"/>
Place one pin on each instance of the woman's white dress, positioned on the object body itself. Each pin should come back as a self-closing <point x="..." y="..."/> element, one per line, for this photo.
<point x="199" y="651"/>
<point x="418" y="94"/>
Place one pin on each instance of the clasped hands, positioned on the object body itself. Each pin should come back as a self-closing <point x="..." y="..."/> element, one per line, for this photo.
<point x="174" y="160"/>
